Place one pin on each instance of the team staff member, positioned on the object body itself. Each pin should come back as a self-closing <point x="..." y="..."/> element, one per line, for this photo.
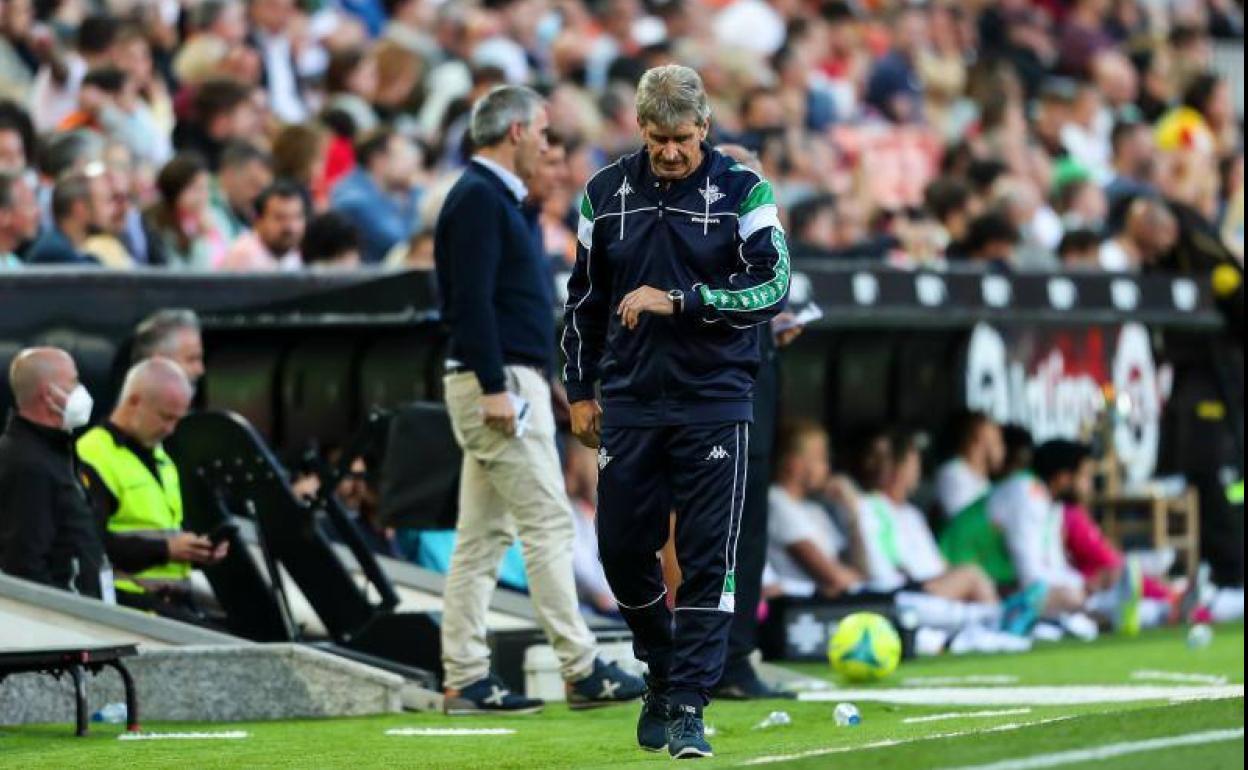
<point x="135" y="489"/>
<point x="496" y="299"/>
<point x="681" y="256"/>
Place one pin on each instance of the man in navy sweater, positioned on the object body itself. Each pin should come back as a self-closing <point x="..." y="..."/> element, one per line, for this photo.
<point x="497" y="301"/>
<point x="681" y="255"/>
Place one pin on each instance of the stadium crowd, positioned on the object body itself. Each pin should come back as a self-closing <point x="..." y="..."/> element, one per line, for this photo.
<point x="276" y="134"/>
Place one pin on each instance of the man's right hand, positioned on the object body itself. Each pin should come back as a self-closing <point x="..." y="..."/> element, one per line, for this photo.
<point x="499" y="413"/>
<point x="190" y="547"/>
<point x="587" y="422"/>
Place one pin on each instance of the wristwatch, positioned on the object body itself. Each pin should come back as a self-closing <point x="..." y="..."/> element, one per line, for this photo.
<point x="678" y="300"/>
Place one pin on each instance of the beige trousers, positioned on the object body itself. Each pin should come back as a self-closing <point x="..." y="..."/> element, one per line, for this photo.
<point x="509" y="486"/>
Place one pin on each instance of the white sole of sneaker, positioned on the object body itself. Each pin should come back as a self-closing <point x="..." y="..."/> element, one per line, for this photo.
<point x="690" y="752"/>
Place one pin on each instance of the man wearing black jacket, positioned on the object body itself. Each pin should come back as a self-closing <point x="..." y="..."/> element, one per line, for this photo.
<point x="48" y="533"/>
<point x="681" y="257"/>
<point x="497" y="301"/>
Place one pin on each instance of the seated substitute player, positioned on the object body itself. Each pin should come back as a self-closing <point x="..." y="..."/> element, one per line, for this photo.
<point x="1027" y="508"/>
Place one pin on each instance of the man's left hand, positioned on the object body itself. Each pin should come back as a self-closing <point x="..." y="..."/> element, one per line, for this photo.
<point x="646" y="299"/>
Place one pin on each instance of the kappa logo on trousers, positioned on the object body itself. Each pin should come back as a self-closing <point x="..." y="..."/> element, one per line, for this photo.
<point x="718" y="453"/>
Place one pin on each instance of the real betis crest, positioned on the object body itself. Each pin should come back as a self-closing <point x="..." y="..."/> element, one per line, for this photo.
<point x="710" y="193"/>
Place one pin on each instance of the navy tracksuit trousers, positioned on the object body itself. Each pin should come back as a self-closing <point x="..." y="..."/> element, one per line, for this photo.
<point x="699" y="472"/>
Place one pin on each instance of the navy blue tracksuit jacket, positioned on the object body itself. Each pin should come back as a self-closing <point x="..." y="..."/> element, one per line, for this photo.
<point x="676" y="391"/>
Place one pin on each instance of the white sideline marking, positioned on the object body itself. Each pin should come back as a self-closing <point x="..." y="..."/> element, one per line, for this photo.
<point x="1027" y="696"/>
<point x="1150" y="675"/>
<point x="447" y="731"/>
<point x="1109" y="751"/>
<point x="964" y="715"/>
<point x="932" y="681"/>
<point x="227" y="735"/>
<point x="897" y="742"/>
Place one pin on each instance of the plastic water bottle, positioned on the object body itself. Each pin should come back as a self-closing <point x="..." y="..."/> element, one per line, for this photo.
<point x="113" y="714"/>
<point x="1199" y="637"/>
<point x="846" y="715"/>
<point x="775" y="719"/>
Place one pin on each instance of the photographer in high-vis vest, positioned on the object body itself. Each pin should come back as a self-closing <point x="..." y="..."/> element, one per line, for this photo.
<point x="135" y="490"/>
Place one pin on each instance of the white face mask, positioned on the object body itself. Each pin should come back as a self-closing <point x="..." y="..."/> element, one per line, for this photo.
<point x="77" y="410"/>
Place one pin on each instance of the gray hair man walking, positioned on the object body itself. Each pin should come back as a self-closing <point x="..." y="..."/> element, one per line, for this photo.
<point x="681" y="256"/>
<point x="496" y="300"/>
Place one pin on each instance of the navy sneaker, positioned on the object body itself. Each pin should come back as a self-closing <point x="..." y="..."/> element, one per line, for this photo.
<point x="686" y="735"/>
<point x="606" y="685"/>
<point x="488" y="696"/>
<point x="652" y="724"/>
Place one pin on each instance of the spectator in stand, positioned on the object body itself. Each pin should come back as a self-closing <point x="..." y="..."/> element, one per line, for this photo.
<point x="812" y="226"/>
<point x="1150" y="231"/>
<point x="182" y="217"/>
<point x="895" y="89"/>
<point x="1080" y="250"/>
<point x="299" y="155"/>
<point x="272" y="27"/>
<point x="950" y="201"/>
<point x="245" y="172"/>
<point x="273" y="243"/>
<point x="173" y="334"/>
<point x="82" y="203"/>
<point x="351" y="82"/>
<point x="991" y="240"/>
<point x="19" y="217"/>
<point x="1134" y="164"/>
<point x="381" y="197"/>
<point x="331" y="242"/>
<point x="220" y="111"/>
<point x="55" y="91"/>
<point x="48" y="533"/>
<point x="966" y="477"/>
<point x="17" y="138"/>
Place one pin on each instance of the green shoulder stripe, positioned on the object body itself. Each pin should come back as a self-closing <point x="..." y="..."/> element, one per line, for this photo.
<point x="587" y="208"/>
<point x="760" y="195"/>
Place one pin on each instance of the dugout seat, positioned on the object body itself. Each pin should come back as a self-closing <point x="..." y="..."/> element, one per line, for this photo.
<point x="235" y="471"/>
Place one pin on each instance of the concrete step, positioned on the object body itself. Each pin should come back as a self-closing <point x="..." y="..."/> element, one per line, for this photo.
<point x="217" y="683"/>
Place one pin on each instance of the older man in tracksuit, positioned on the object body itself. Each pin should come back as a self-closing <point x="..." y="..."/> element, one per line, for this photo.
<point x="681" y="255"/>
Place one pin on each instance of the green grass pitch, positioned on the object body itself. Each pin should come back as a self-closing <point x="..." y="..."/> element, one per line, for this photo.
<point x="604" y="738"/>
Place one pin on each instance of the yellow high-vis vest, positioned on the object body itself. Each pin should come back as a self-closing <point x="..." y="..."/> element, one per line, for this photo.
<point x="146" y="505"/>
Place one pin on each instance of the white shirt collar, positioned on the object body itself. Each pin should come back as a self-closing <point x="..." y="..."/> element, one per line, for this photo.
<point x="513" y="182"/>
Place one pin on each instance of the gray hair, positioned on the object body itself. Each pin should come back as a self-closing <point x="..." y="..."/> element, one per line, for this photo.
<point x="495" y="113"/>
<point x="670" y="95"/>
<point x="154" y="335"/>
